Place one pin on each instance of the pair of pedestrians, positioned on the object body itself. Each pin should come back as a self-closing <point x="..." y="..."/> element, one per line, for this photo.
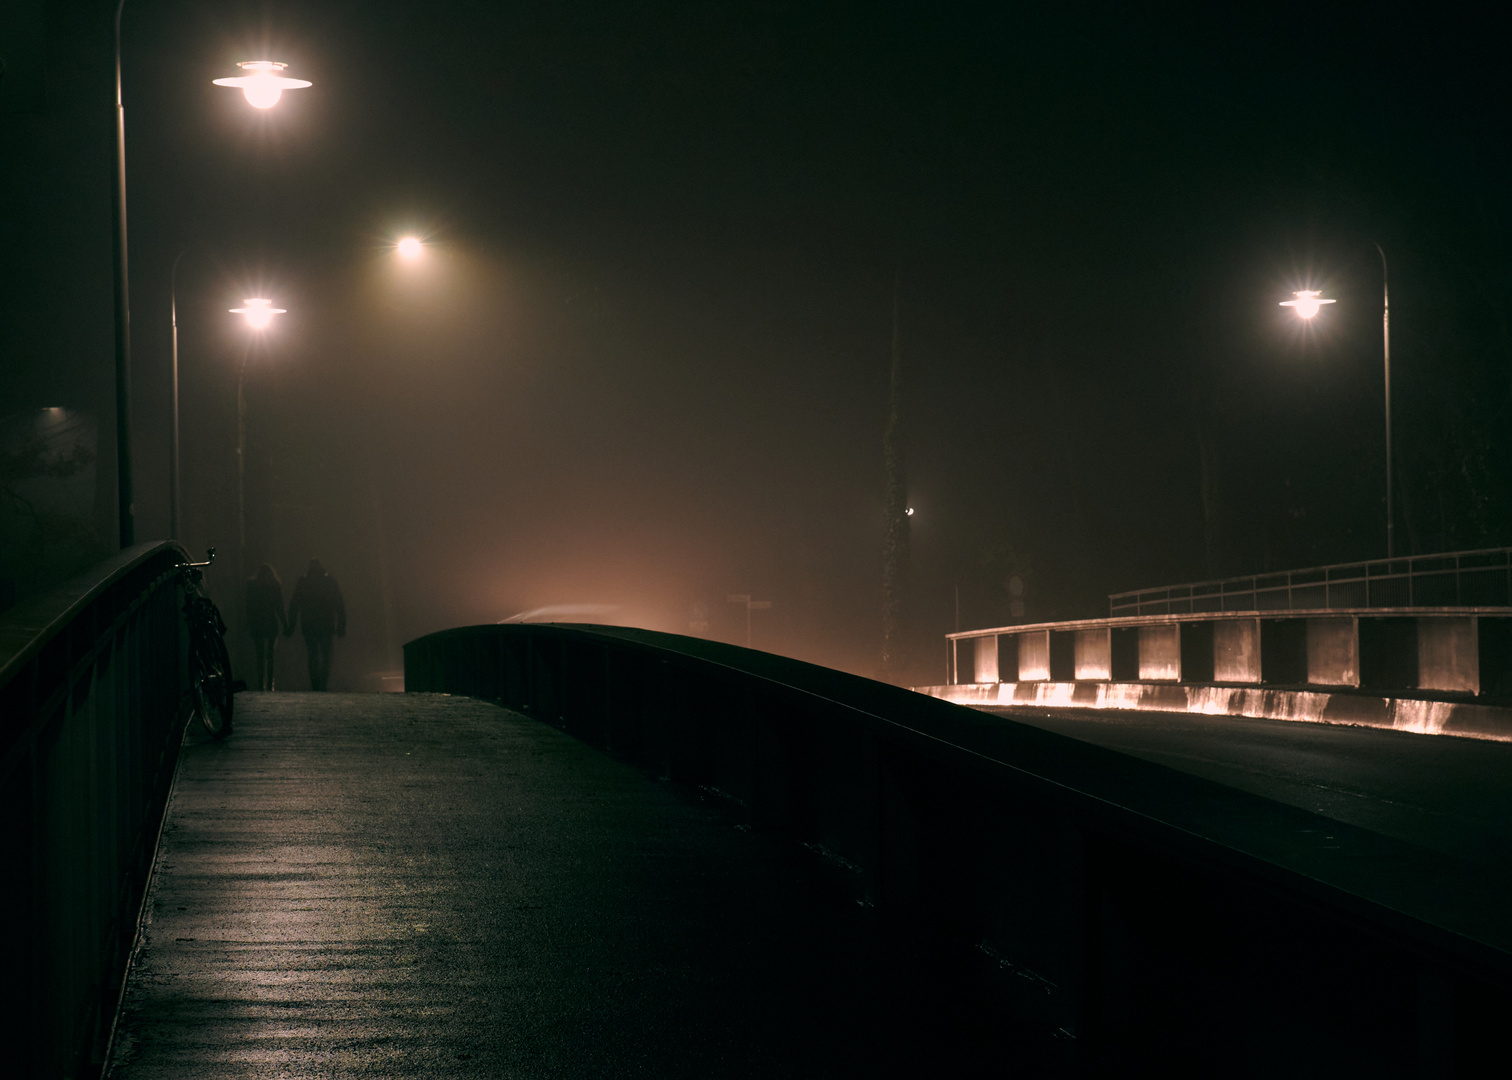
<point x="317" y="603"/>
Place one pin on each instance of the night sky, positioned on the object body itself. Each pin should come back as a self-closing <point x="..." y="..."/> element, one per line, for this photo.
<point x="644" y="362"/>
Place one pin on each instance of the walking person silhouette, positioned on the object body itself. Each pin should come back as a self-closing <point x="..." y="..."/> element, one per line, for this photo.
<point x="317" y="602"/>
<point x="265" y="619"/>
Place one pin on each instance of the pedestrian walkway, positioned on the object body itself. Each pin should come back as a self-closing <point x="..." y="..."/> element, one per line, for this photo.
<point x="420" y="885"/>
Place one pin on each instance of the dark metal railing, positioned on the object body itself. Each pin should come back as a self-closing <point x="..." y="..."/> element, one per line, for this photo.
<point x="91" y="711"/>
<point x="1452" y="579"/>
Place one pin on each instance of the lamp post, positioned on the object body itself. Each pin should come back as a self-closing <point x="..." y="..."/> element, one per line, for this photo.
<point x="173" y="447"/>
<point x="1307" y="303"/>
<point x="125" y="508"/>
<point x="259" y="314"/>
<point x="262" y="87"/>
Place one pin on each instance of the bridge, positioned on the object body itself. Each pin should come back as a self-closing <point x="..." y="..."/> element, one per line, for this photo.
<point x="574" y="850"/>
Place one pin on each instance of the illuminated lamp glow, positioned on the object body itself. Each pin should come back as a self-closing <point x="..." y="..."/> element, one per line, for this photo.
<point x="259" y="312"/>
<point x="410" y="247"/>
<point x="263" y="86"/>
<point x="1307" y="302"/>
<point x="909" y="511"/>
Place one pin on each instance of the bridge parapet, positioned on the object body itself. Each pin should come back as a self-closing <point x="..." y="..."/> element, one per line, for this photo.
<point x="1449" y="652"/>
<point x="1138" y="913"/>
<point x="91" y="694"/>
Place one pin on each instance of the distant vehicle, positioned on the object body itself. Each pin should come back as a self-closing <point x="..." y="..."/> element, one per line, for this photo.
<point x="580" y="613"/>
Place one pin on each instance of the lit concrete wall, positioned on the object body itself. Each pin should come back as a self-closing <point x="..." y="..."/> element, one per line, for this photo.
<point x="1160" y="652"/>
<point x="1034" y="656"/>
<point x="1333" y="651"/>
<point x="1448" y="654"/>
<point x="986" y="659"/>
<point x="1441" y="653"/>
<point x="1236" y="651"/>
<point x="1094" y="654"/>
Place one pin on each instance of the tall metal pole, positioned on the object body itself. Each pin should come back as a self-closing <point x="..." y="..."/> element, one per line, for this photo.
<point x="895" y="506"/>
<point x="173" y="465"/>
<point x="125" y="500"/>
<point x="1386" y="355"/>
<point x="241" y="469"/>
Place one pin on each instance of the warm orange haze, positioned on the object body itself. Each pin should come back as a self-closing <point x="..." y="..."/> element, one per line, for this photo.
<point x="604" y="314"/>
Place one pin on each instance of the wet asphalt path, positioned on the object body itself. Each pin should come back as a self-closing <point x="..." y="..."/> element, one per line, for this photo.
<point x="427" y="886"/>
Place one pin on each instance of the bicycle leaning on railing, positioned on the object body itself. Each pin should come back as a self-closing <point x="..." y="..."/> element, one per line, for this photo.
<point x="210" y="682"/>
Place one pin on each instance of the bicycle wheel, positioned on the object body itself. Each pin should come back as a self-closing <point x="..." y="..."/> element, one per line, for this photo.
<point x="210" y="679"/>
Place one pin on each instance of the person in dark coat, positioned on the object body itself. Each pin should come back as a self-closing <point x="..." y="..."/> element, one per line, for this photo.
<point x="317" y="601"/>
<point x="265" y="618"/>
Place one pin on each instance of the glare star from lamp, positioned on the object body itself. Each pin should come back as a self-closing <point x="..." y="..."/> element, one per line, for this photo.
<point x="411" y="247"/>
<point x="259" y="313"/>
<point x="263" y="85"/>
<point x="1307" y="302"/>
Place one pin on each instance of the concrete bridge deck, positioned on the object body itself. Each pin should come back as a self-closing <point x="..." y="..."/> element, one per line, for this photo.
<point x="423" y="885"/>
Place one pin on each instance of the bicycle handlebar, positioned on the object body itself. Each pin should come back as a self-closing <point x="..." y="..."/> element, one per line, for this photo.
<point x="209" y="558"/>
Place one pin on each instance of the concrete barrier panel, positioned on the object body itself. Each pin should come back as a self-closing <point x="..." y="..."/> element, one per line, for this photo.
<point x="986" y="659"/>
<point x="1236" y="651"/>
<point x="1333" y="651"/>
<point x="1034" y="656"/>
<point x="1094" y="654"/>
<point x="1448" y="654"/>
<point x="1160" y="652"/>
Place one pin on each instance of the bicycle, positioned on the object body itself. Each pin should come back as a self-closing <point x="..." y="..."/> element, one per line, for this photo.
<point x="210" y="682"/>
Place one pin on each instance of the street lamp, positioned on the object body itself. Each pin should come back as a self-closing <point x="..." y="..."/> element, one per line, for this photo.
<point x="411" y="247"/>
<point x="1306" y="304"/>
<point x="263" y="85"/>
<point x="259" y="314"/>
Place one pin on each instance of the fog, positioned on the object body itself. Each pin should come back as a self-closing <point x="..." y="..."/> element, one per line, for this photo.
<point x="641" y="364"/>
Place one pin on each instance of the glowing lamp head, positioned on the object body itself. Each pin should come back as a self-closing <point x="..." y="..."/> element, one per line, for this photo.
<point x="410" y="247"/>
<point x="1307" y="302"/>
<point x="263" y="85"/>
<point x="259" y="313"/>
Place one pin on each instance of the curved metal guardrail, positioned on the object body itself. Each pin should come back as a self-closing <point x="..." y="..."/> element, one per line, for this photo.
<point x="1135" y="914"/>
<point x="92" y="684"/>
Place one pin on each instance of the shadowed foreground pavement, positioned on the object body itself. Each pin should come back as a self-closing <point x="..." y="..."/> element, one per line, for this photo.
<point x="421" y="885"/>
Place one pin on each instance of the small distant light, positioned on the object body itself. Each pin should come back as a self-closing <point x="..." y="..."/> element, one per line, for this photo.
<point x="259" y="312"/>
<point x="410" y="247"/>
<point x="1307" y="302"/>
<point x="909" y="511"/>
<point x="263" y="86"/>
